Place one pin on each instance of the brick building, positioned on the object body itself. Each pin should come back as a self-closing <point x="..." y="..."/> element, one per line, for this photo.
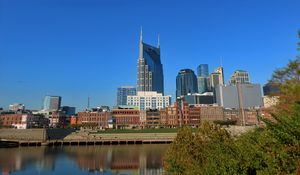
<point x="126" y="118"/>
<point x="97" y="119"/>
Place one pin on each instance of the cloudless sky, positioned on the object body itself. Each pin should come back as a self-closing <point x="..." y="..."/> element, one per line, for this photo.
<point x="81" y="48"/>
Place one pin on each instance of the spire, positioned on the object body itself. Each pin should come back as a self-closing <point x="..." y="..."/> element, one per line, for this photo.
<point x="141" y="44"/>
<point x="158" y="42"/>
<point x="141" y="35"/>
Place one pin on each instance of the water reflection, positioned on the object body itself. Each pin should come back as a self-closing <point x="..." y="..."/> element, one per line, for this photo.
<point x="108" y="159"/>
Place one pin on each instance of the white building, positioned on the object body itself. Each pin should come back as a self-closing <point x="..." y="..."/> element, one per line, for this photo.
<point x="270" y="101"/>
<point x="16" y="107"/>
<point x="149" y="100"/>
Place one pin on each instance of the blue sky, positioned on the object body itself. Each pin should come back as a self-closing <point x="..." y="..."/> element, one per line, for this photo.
<point x="81" y="48"/>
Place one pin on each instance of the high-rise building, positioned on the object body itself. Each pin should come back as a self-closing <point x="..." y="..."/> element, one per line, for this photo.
<point x="239" y="77"/>
<point x="202" y="84"/>
<point x="202" y="70"/>
<point x="123" y="92"/>
<point x="202" y="78"/>
<point x="221" y="72"/>
<point x="148" y="100"/>
<point x="186" y="82"/>
<point x="149" y="68"/>
<point x="52" y="103"/>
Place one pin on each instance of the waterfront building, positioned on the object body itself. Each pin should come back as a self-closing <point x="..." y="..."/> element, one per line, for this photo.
<point x="23" y="120"/>
<point x="186" y="82"/>
<point x="52" y="103"/>
<point x="126" y="117"/>
<point x="239" y="96"/>
<point x="123" y="92"/>
<point x="16" y="107"/>
<point x="148" y="100"/>
<point x="93" y="119"/>
<point x="239" y="77"/>
<point x="169" y="116"/>
<point x="152" y="118"/>
<point x="149" y="68"/>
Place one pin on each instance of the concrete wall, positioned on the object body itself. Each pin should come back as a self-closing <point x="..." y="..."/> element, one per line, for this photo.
<point x="34" y="134"/>
<point x="22" y="134"/>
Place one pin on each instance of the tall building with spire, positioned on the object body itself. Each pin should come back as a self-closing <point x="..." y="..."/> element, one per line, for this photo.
<point x="149" y="68"/>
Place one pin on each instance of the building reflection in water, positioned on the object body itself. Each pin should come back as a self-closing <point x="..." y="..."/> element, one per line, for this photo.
<point x="108" y="159"/>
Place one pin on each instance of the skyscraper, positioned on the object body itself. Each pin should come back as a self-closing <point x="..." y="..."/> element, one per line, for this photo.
<point x="202" y="70"/>
<point x="51" y="103"/>
<point x="186" y="82"/>
<point x="202" y="78"/>
<point x="221" y="72"/>
<point x="239" y="76"/>
<point x="122" y="94"/>
<point x="149" y="68"/>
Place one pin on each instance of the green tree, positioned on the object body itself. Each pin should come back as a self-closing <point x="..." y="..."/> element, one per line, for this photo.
<point x="271" y="149"/>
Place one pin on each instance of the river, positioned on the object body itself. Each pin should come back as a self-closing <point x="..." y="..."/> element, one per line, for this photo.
<point x="104" y="159"/>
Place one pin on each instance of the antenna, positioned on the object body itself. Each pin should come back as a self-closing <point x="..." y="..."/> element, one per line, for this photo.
<point x="88" y="103"/>
<point x="158" y="41"/>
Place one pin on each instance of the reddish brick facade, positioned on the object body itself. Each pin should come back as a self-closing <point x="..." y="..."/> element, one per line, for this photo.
<point x="126" y="117"/>
<point x="87" y="118"/>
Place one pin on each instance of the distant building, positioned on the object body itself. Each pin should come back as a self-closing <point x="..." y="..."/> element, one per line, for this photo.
<point x="271" y="89"/>
<point x="270" y="101"/>
<point x="221" y="72"/>
<point x="148" y="100"/>
<point x="239" y="96"/>
<point x="205" y="98"/>
<point x="203" y="84"/>
<point x="239" y="76"/>
<point x="68" y="110"/>
<point x="16" y="107"/>
<point x="186" y="82"/>
<point x="149" y="68"/>
<point x="52" y="103"/>
<point x="202" y="70"/>
<point x="123" y="92"/>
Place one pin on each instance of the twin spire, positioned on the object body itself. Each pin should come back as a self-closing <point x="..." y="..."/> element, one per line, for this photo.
<point x="141" y="38"/>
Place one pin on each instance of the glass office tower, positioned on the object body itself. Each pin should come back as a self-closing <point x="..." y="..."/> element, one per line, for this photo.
<point x="149" y="68"/>
<point x="186" y="82"/>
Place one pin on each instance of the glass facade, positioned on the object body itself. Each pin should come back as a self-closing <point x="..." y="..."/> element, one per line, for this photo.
<point x="149" y="69"/>
<point x="202" y="70"/>
<point x="122" y="94"/>
<point x="186" y="82"/>
<point x="52" y="102"/>
<point x="202" y="84"/>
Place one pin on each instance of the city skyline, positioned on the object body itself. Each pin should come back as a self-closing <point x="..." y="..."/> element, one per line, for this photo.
<point x="70" y="50"/>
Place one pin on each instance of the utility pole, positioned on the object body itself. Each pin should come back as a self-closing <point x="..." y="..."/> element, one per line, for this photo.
<point x="241" y="102"/>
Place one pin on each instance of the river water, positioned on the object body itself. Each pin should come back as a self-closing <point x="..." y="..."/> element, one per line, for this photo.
<point x="104" y="159"/>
